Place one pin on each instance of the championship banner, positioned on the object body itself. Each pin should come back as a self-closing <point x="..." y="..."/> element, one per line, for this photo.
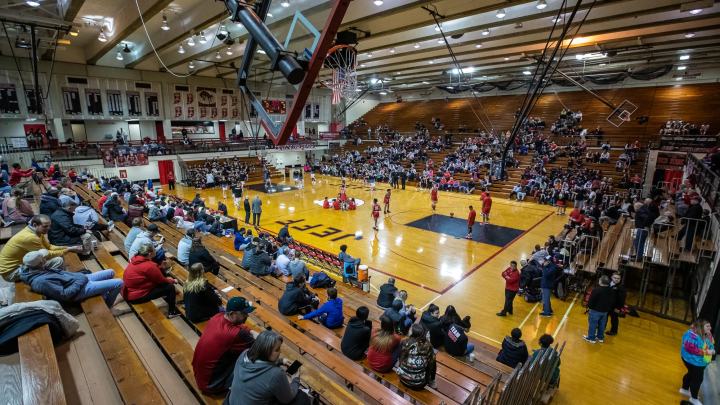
<point x="329" y="136"/>
<point x="234" y="100"/>
<point x="177" y="98"/>
<point x="206" y="96"/>
<point x="8" y="99"/>
<point x="131" y="156"/>
<point x="234" y="112"/>
<point x="93" y="98"/>
<point x="71" y="100"/>
<point x="223" y="100"/>
<point x="134" y="105"/>
<point x="115" y="104"/>
<point x="108" y="158"/>
<point x="178" y="112"/>
<point x="224" y="113"/>
<point x="191" y="112"/>
<point x="152" y="106"/>
<point x="213" y="112"/>
<point x="33" y="106"/>
<point x="203" y="112"/>
<point x="189" y="106"/>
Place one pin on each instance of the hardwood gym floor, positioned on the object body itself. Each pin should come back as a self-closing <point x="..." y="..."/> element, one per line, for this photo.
<point x="639" y="366"/>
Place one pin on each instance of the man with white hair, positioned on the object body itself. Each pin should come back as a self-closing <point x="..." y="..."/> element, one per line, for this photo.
<point x="256" y="210"/>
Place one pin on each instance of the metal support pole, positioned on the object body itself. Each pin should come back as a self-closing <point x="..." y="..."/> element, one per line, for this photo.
<point x="580" y="85"/>
<point x="38" y="101"/>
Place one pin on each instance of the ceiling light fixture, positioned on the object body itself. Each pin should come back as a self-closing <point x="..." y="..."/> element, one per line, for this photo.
<point x="398" y="73"/>
<point x="191" y="42"/>
<point x="369" y="55"/>
<point x="426" y="82"/>
<point x="191" y="65"/>
<point x="689" y="35"/>
<point x="438" y="27"/>
<point x="202" y="39"/>
<point x="684" y="57"/>
<point x="431" y="62"/>
<point x="181" y="50"/>
<point x="285" y="3"/>
<point x="102" y="37"/>
<point x="238" y="24"/>
<point x="541" y="4"/>
<point x="557" y="20"/>
<point x="75" y="32"/>
<point x="378" y="2"/>
<point x="527" y="72"/>
<point x="478" y="46"/>
<point x="486" y="31"/>
<point x="362" y="65"/>
<point x="603" y="64"/>
<point x="217" y="55"/>
<point x="33" y="3"/>
<point x="164" y="25"/>
<point x="383" y="93"/>
<point x="500" y="13"/>
<point x="441" y="40"/>
<point x="392" y="50"/>
<point x="507" y="58"/>
<point x="127" y="48"/>
<point x="417" y="45"/>
<point x="681" y="67"/>
<point x="222" y="29"/>
<point x="119" y="56"/>
<point x="229" y="51"/>
<point x="696" y="11"/>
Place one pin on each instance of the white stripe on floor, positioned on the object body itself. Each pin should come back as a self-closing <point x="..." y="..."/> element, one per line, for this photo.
<point x="566" y="316"/>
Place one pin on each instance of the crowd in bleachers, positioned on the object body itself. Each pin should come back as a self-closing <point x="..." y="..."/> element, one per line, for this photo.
<point x="680" y="127"/>
<point x="214" y="173"/>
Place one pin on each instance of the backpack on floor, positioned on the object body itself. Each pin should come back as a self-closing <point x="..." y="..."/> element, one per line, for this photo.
<point x="321" y="280"/>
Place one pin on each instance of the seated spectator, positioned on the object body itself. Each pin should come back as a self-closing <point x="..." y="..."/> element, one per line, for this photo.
<point x="456" y="341"/>
<point x="346" y="258"/>
<point x="297" y="266"/>
<point x="297" y="299"/>
<point x="242" y="239"/>
<point x="384" y="348"/>
<point x="68" y="195"/>
<point x="50" y="201"/>
<point x="155" y="214"/>
<point x="202" y="302"/>
<point x="284" y="235"/>
<point x="149" y="237"/>
<point x="281" y="263"/>
<point x="387" y="294"/>
<point x="330" y="314"/>
<point x="260" y="261"/>
<point x="664" y="222"/>
<point x="114" y="209"/>
<point x="258" y="378"/>
<point x="199" y="254"/>
<point x="137" y="229"/>
<point x="183" y="247"/>
<point x="248" y="255"/>
<point x="103" y="199"/>
<point x="86" y="216"/>
<point x="401" y="321"/>
<point x="514" y="351"/>
<point x="64" y="231"/>
<point x="356" y="340"/>
<point x="144" y="280"/>
<point x="545" y="342"/>
<point x="214" y="226"/>
<point x="222" y="342"/>
<point x="430" y="319"/>
<point x="417" y="366"/>
<point x="16" y="210"/>
<point x="64" y="286"/>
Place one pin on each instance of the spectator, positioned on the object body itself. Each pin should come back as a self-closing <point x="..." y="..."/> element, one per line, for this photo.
<point x="644" y="218"/>
<point x="137" y="229"/>
<point x="135" y="210"/>
<point x="417" y="366"/>
<point x="50" y="201"/>
<point x="68" y="195"/>
<point x="297" y="299"/>
<point x="330" y="314"/>
<point x="346" y="258"/>
<point x="86" y="216"/>
<point x="64" y="231"/>
<point x="248" y="210"/>
<point x="256" y="210"/>
<point x="297" y="266"/>
<point x="242" y="239"/>
<point x="547" y="285"/>
<point x="356" y="340"/>
<point x="387" y="294"/>
<point x="214" y="226"/>
<point x="183" y="249"/>
<point x="512" y="285"/>
<point x="431" y="321"/>
<point x="456" y="341"/>
<point x="281" y="263"/>
<point x="144" y="280"/>
<point x="155" y="214"/>
<point x="60" y="285"/>
<point x="149" y="237"/>
<point x="222" y="342"/>
<point x="260" y="261"/>
<point x="248" y="255"/>
<point x="514" y="351"/>
<point x="202" y="302"/>
<point x="114" y="209"/>
<point x="199" y="254"/>
<point x="599" y="304"/>
<point x="103" y="199"/>
<point x="545" y="341"/>
<point x="16" y="209"/>
<point x="258" y="378"/>
<point x="697" y="350"/>
<point x="690" y="220"/>
<point x="384" y="348"/>
<point x="284" y="235"/>
<point x="401" y="321"/>
<point x="20" y="179"/>
<point x="619" y="296"/>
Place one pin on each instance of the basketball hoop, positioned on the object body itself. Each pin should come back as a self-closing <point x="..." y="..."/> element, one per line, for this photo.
<point x="339" y="75"/>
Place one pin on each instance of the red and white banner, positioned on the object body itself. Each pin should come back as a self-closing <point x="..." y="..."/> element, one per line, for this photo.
<point x="178" y="112"/>
<point x="213" y="112"/>
<point x="224" y="112"/>
<point x="234" y="112"/>
<point x="203" y="112"/>
<point x="177" y="98"/>
<point x="329" y="136"/>
<point x="191" y="112"/>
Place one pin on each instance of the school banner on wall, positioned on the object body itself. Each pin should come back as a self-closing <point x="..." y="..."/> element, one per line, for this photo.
<point x="207" y="96"/>
<point x="152" y="105"/>
<point x="93" y="98"/>
<point x="134" y="105"/>
<point x="131" y="156"/>
<point x="71" y="100"/>
<point x="8" y="99"/>
<point x="108" y="158"/>
<point x="115" y="104"/>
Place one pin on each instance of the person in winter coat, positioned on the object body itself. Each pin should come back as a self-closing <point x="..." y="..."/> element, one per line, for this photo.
<point x="330" y="314"/>
<point x="214" y="226"/>
<point x="545" y="342"/>
<point x="387" y="294"/>
<point x="599" y="304"/>
<point x="417" y="367"/>
<point x="50" y="202"/>
<point x="258" y="378"/>
<point x="156" y="214"/>
<point x="135" y="211"/>
<point x="356" y="340"/>
<point x="248" y="255"/>
<point x="246" y="207"/>
<point x="199" y="254"/>
<point x="401" y="321"/>
<point x="512" y="285"/>
<point x="619" y="296"/>
<point x="65" y="286"/>
<point x="201" y="300"/>
<point x="456" y="340"/>
<point x="430" y="319"/>
<point x="64" y="231"/>
<point x="260" y="261"/>
<point x="114" y="209"/>
<point x="144" y="281"/>
<point x="548" y="284"/>
<point x="242" y="239"/>
<point x="297" y="299"/>
<point x="528" y="273"/>
<point x="514" y="351"/>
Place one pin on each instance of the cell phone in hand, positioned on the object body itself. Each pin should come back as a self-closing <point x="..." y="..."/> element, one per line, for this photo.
<point x="294" y="367"/>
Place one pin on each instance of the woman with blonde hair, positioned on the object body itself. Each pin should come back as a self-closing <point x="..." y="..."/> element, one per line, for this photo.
<point x="15" y="209"/>
<point x="698" y="347"/>
<point x="384" y="348"/>
<point x="201" y="300"/>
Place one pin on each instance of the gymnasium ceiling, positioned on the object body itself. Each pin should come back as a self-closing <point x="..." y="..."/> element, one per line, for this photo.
<point x="402" y="47"/>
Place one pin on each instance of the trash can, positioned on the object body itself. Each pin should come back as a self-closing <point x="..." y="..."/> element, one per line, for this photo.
<point x="287" y="171"/>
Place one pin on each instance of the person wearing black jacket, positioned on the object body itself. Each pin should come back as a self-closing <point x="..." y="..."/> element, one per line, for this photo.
<point x="356" y="339"/>
<point x="690" y="230"/>
<point x="201" y="300"/>
<point x="64" y="232"/>
<point x="170" y="214"/>
<point x="612" y="214"/>
<point x="644" y="218"/>
<point x="222" y="208"/>
<point x="199" y="254"/>
<point x="401" y="321"/>
<point x="114" y="209"/>
<point x="387" y="294"/>
<point x="214" y="226"/>
<point x="600" y="303"/>
<point x="246" y="207"/>
<point x="50" y="202"/>
<point x="619" y="296"/>
<point x="514" y="351"/>
<point x="297" y="299"/>
<point x="431" y="320"/>
<point x="455" y="339"/>
<point x="197" y="201"/>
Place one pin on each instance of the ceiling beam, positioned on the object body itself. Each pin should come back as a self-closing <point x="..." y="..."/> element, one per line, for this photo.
<point x="134" y="25"/>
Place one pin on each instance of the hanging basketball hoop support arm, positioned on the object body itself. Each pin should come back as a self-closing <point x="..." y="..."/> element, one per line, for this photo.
<point x="579" y="85"/>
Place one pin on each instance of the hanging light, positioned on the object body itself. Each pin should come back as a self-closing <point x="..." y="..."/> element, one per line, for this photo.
<point x="507" y="58"/>
<point x="500" y="13"/>
<point x="431" y="62"/>
<point x="441" y="40"/>
<point x="527" y="72"/>
<point x="285" y="3"/>
<point x="438" y="27"/>
<point x="223" y="30"/>
<point x="682" y="67"/>
<point x="478" y="46"/>
<point x="119" y="56"/>
<point x="486" y="31"/>
<point x="127" y="48"/>
<point x="238" y="24"/>
<point x="362" y="65"/>
<point x="217" y="55"/>
<point x="181" y="50"/>
<point x="229" y="51"/>
<point x="378" y="2"/>
<point x="202" y="39"/>
<point x="557" y="20"/>
<point x="541" y="4"/>
<point x="685" y="57"/>
<point x="392" y="50"/>
<point x="164" y="25"/>
<point x="191" y="42"/>
<point x="696" y="11"/>
<point x="417" y="45"/>
<point x="689" y="35"/>
<point x="32" y="3"/>
<point x="75" y="32"/>
<point x="102" y="37"/>
<point x="369" y="54"/>
<point x="191" y="65"/>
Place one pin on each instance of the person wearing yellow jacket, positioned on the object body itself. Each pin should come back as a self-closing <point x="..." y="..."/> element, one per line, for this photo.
<point x="31" y="239"/>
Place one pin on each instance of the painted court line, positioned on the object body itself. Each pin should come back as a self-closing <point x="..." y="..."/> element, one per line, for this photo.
<point x="532" y="311"/>
<point x="490" y="339"/>
<point x="433" y="300"/>
<point x="566" y="316"/>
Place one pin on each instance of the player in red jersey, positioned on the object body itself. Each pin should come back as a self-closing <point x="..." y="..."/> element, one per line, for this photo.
<point x="386" y="201"/>
<point x="486" y="205"/>
<point x="471" y="222"/>
<point x="343" y="196"/>
<point x="375" y="213"/>
<point x="433" y="196"/>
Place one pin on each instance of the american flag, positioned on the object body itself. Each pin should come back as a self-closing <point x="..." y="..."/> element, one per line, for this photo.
<point x="338" y="78"/>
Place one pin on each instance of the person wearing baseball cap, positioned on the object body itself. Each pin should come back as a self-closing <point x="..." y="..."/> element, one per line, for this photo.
<point x="224" y="339"/>
<point x="148" y="237"/>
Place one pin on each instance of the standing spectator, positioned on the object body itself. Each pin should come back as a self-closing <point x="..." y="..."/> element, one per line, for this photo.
<point x="545" y="341"/>
<point x="547" y="285"/>
<point x="512" y="285"/>
<point x="20" y="179"/>
<point x="470" y="222"/>
<point x="691" y="230"/>
<point x="599" y="303"/>
<point x="417" y="366"/>
<point x="144" y="280"/>
<point x="698" y="347"/>
<point x="202" y="302"/>
<point x="224" y="339"/>
<point x="356" y="340"/>
<point x="619" y="296"/>
<point x="64" y="231"/>
<point x="384" y="348"/>
<point x="136" y="230"/>
<point x="330" y="314"/>
<point x="297" y="299"/>
<point x="514" y="351"/>
<point x="171" y="181"/>
<point x="644" y="218"/>
<point x="256" y="210"/>
<point x="387" y="294"/>
<point x="248" y="210"/>
<point x="430" y="319"/>
<point x="199" y="254"/>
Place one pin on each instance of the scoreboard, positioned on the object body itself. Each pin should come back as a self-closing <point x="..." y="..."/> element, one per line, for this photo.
<point x="274" y="106"/>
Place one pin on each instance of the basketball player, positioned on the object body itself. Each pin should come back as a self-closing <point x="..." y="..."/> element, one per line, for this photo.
<point x="237" y="193"/>
<point x="372" y="183"/>
<point x="561" y="204"/>
<point x="342" y="196"/>
<point x="386" y="210"/>
<point x="242" y="177"/>
<point x="375" y="213"/>
<point x="486" y="205"/>
<point x="224" y="184"/>
<point x="471" y="222"/>
<point x="433" y="196"/>
<point x="312" y="174"/>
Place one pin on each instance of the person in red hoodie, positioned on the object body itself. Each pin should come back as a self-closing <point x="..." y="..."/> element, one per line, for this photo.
<point x="471" y="222"/>
<point x="73" y="176"/>
<point x="326" y="203"/>
<point x="103" y="199"/>
<point x="512" y="285"/>
<point x="144" y="281"/>
<point x="17" y="176"/>
<point x="336" y="204"/>
<point x="351" y="204"/>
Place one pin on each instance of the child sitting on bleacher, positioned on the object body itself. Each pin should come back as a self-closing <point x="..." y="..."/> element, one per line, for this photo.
<point x="330" y="314"/>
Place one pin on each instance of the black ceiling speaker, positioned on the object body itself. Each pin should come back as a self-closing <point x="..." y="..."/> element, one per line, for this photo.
<point x="456" y="36"/>
<point x="221" y="36"/>
<point x="229" y="41"/>
<point x="346" y="38"/>
<point x="127" y="49"/>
